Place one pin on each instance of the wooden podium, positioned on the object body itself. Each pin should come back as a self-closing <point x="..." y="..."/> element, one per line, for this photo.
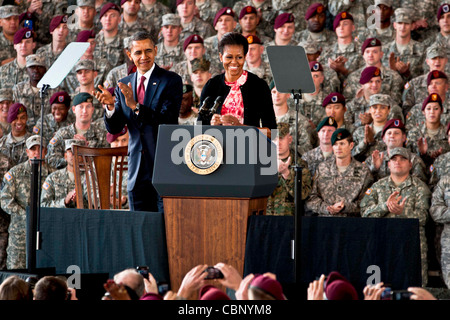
<point x="206" y="205"/>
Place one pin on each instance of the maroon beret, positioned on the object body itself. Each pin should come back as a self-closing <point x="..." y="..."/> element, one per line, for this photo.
<point x="210" y="292"/>
<point x="443" y="9"/>
<point x="14" y="110"/>
<point x="315" y="66"/>
<point x="253" y="39"/>
<point x="434" y="97"/>
<point x="269" y="286"/>
<point x="334" y="97"/>
<point x="61" y="97"/>
<point x="369" y="43"/>
<point x="344" y="15"/>
<point x="150" y="295"/>
<point x="56" y="21"/>
<point x="225" y="11"/>
<point x="112" y="137"/>
<point x="107" y="6"/>
<point x="339" y="288"/>
<point x="283" y="18"/>
<point x="131" y="69"/>
<point x="393" y="123"/>
<point x="193" y="38"/>
<point x="122" y="2"/>
<point x="85" y="35"/>
<point x="247" y="10"/>
<point x="368" y="73"/>
<point x="314" y="9"/>
<point x="23" y="33"/>
<point x="179" y="2"/>
<point x="435" y="74"/>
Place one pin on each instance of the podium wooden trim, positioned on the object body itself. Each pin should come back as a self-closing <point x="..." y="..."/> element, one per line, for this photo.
<point x="207" y="231"/>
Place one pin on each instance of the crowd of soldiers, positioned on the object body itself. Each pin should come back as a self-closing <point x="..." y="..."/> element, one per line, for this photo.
<point x="379" y="68"/>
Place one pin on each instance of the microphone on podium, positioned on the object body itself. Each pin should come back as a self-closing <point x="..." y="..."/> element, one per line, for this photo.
<point x="217" y="103"/>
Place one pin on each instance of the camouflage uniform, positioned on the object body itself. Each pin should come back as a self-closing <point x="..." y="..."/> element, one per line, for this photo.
<point x="184" y="69"/>
<point x="418" y="166"/>
<point x="111" y="52"/>
<point x="6" y="46"/>
<point x="331" y="186"/>
<point x="324" y="39"/>
<point x="306" y="134"/>
<point x="5" y="165"/>
<point x="140" y="24"/>
<point x="13" y="149"/>
<point x="263" y="71"/>
<point x="434" y="142"/>
<point x="439" y="169"/>
<point x="208" y="10"/>
<point x="391" y="84"/>
<point x="51" y="126"/>
<point x="374" y="205"/>
<point x="314" y="158"/>
<point x="415" y="117"/>
<point x="313" y="109"/>
<point x="265" y="56"/>
<point x="167" y="58"/>
<point x="385" y="36"/>
<point x="352" y="52"/>
<point x="95" y="136"/>
<point x="55" y="189"/>
<point x="269" y="12"/>
<point x="358" y="9"/>
<point x="439" y="211"/>
<point x="281" y="202"/>
<point x="197" y="26"/>
<point x="14" y="199"/>
<point x="415" y="91"/>
<point x="116" y="74"/>
<point x="153" y="15"/>
<point x="46" y="52"/>
<point x="362" y="150"/>
<point x="11" y="74"/>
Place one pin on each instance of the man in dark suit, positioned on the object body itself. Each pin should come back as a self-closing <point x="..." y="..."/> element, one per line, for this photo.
<point x="143" y="100"/>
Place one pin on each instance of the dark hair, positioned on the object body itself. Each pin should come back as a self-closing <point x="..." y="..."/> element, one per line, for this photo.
<point x="139" y="36"/>
<point x="233" y="39"/>
<point x="51" y="288"/>
<point x="15" y="288"/>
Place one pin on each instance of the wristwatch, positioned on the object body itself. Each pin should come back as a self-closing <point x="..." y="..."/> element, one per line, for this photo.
<point x="137" y="108"/>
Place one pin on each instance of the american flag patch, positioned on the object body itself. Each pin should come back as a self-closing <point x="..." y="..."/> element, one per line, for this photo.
<point x="8" y="176"/>
<point x="46" y="185"/>
<point x="53" y="141"/>
<point x="369" y="191"/>
<point x="36" y="130"/>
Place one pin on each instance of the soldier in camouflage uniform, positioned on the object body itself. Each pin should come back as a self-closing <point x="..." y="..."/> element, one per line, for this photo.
<point x="430" y="140"/>
<point x="200" y="75"/>
<point x="254" y="61"/>
<point x="400" y="195"/>
<point x="281" y="201"/>
<point x="404" y="54"/>
<point x="58" y="118"/>
<point x="440" y="37"/>
<point x="5" y="165"/>
<point x="248" y="24"/>
<point x="339" y="183"/>
<point x="335" y="107"/>
<point x="306" y="135"/>
<point x="9" y="22"/>
<point x="152" y="12"/>
<point x="130" y="22"/>
<point x="6" y="100"/>
<point x="343" y="56"/>
<point x="121" y="71"/>
<point x="360" y="10"/>
<point x="190" y="22"/>
<point x="58" y="189"/>
<point x="13" y="144"/>
<point x="381" y="26"/>
<point x="316" y="30"/>
<point x="14" y="72"/>
<point x="437" y="82"/>
<point x="394" y="136"/>
<point x="170" y="48"/>
<point x="324" y="151"/>
<point x="392" y="82"/>
<point x="224" y="22"/>
<point x="27" y="92"/>
<point x="109" y="42"/>
<point x="82" y="19"/>
<point x="415" y="90"/>
<point x="368" y="137"/>
<point x="207" y="9"/>
<point x="439" y="212"/>
<point x="266" y="11"/>
<point x="14" y="199"/>
<point x="440" y="166"/>
<point x="94" y="133"/>
<point x="59" y="31"/>
<point x="284" y="27"/>
<point x="187" y="116"/>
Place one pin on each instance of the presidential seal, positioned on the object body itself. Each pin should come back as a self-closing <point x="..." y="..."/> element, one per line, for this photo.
<point x="203" y="154"/>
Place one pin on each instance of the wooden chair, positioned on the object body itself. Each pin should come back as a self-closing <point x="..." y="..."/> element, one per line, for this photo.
<point x="92" y="166"/>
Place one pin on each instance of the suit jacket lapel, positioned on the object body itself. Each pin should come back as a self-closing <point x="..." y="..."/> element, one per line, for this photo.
<point x="133" y="81"/>
<point x="152" y="85"/>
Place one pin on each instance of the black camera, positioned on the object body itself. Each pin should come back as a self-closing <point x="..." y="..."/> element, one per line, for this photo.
<point x="143" y="270"/>
<point x="213" y="273"/>
<point x="389" y="294"/>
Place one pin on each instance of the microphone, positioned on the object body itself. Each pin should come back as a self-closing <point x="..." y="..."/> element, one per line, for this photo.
<point x="204" y="106"/>
<point x="217" y="103"/>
